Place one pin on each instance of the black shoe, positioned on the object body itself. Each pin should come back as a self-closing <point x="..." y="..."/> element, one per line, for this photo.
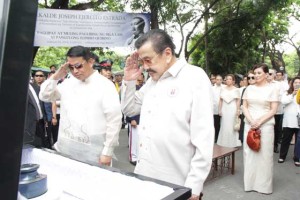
<point x="280" y="160"/>
<point x="276" y="149"/>
<point x="133" y="163"/>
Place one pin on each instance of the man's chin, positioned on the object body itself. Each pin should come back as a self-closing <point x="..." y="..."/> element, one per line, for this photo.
<point x="154" y="78"/>
<point x="79" y="78"/>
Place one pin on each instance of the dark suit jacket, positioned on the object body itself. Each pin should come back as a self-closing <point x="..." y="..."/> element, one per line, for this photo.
<point x="31" y="117"/>
<point x="30" y="120"/>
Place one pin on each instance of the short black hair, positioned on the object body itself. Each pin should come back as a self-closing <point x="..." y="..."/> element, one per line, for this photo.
<point x="263" y="66"/>
<point x="39" y="71"/>
<point x="79" y="51"/>
<point x="281" y="72"/>
<point x="95" y="57"/>
<point x="160" y="41"/>
<point x="52" y="66"/>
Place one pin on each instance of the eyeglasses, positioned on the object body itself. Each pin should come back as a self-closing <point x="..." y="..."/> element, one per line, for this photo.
<point x="77" y="66"/>
<point x="37" y="75"/>
<point x="146" y="61"/>
<point x="250" y="77"/>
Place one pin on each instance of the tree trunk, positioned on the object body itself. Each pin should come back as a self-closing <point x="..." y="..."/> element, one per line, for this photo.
<point x="298" y="54"/>
<point x="281" y="62"/>
<point x="154" y="14"/>
<point x="60" y="4"/>
<point x="264" y="48"/>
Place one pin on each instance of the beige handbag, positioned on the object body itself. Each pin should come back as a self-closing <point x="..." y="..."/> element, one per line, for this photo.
<point x="237" y="123"/>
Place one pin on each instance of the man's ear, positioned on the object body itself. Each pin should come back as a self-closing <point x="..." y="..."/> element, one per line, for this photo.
<point x="90" y="61"/>
<point x="168" y="54"/>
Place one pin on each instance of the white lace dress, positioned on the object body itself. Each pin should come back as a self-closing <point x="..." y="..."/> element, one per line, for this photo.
<point x="228" y="137"/>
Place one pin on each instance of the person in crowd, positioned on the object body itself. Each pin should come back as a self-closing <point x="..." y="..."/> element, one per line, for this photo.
<point x="133" y="123"/>
<point x="176" y="133"/>
<point x="290" y="120"/>
<point x="105" y="68"/>
<point x="281" y="78"/>
<point x="42" y="139"/>
<point x="118" y="84"/>
<point x="241" y="84"/>
<point x="34" y="133"/>
<point x="111" y="78"/>
<point x="224" y="81"/>
<point x="289" y="80"/>
<point x="39" y="77"/>
<point x="137" y="26"/>
<point x="297" y="139"/>
<point x="213" y="79"/>
<point x="52" y="68"/>
<point x="251" y="78"/>
<point x="250" y="81"/>
<point x="55" y="119"/>
<point x="118" y="81"/>
<point x="216" y="92"/>
<point x="90" y="109"/>
<point x="49" y="116"/>
<point x="245" y="81"/>
<point x="229" y="110"/>
<point x="281" y="87"/>
<point x="260" y="103"/>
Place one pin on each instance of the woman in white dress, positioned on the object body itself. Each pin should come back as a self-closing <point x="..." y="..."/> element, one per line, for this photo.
<point x="290" y="121"/>
<point x="228" y="110"/>
<point x="260" y="103"/>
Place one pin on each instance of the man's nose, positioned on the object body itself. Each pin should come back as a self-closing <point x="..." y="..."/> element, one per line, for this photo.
<point x="145" y="66"/>
<point x="75" y="70"/>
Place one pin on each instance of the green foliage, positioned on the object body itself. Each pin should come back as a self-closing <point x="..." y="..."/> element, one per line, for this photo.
<point x="109" y="54"/>
<point x="48" y="56"/>
<point x="111" y="6"/>
<point x="292" y="64"/>
<point x="245" y="30"/>
<point x="239" y="33"/>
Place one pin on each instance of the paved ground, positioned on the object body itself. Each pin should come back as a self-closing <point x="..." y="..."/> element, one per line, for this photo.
<point x="230" y="187"/>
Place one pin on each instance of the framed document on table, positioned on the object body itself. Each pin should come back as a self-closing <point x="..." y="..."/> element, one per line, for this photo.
<point x="71" y="179"/>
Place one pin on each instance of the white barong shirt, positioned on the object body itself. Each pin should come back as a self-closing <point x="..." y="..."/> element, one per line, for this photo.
<point x="90" y="116"/>
<point x="176" y="131"/>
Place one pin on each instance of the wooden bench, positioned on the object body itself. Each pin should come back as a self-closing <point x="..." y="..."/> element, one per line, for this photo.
<point x="223" y="161"/>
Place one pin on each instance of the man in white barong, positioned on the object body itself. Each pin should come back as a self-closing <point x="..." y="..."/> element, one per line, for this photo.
<point x="176" y="130"/>
<point x="90" y="109"/>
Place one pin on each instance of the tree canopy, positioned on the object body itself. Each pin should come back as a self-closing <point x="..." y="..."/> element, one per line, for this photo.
<point x="227" y="36"/>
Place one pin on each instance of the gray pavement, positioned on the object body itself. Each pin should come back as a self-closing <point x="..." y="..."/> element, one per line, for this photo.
<point x="230" y="187"/>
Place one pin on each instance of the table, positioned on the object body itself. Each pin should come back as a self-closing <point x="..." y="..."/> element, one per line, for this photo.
<point x="73" y="180"/>
<point x="223" y="161"/>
